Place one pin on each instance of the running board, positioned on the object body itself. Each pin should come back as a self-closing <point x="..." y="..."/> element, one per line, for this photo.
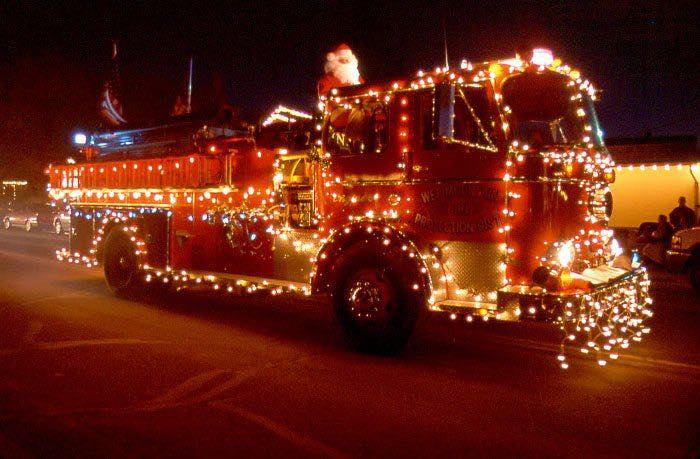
<point x="472" y="310"/>
<point x="225" y="281"/>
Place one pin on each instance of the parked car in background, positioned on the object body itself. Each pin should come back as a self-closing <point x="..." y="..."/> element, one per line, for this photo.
<point x="29" y="216"/>
<point x="61" y="222"/>
<point x="684" y="255"/>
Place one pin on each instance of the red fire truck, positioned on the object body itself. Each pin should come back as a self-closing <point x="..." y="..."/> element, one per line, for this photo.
<point x="480" y="192"/>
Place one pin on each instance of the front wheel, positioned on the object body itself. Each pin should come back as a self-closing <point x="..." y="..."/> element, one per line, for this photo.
<point x="121" y="264"/>
<point x="694" y="274"/>
<point x="375" y="308"/>
<point x="6" y="223"/>
<point x="27" y="226"/>
<point x="57" y="227"/>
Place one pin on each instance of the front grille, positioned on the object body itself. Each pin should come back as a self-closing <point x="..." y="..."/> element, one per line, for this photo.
<point x="474" y="267"/>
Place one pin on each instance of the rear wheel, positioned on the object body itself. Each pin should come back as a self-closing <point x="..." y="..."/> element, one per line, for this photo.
<point x="27" y="226"/>
<point x="57" y="227"/>
<point x="375" y="308"/>
<point x="7" y="224"/>
<point x="121" y="265"/>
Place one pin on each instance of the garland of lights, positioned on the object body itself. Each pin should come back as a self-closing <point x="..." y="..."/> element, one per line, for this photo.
<point x="604" y="322"/>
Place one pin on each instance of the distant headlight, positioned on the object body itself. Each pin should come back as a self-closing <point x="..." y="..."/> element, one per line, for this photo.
<point x="676" y="242"/>
<point x="615" y="248"/>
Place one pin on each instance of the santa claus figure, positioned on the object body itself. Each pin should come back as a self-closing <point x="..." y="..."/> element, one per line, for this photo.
<point x="340" y="70"/>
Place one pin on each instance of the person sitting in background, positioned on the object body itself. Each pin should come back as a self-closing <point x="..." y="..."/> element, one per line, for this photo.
<point x="658" y="241"/>
<point x="682" y="217"/>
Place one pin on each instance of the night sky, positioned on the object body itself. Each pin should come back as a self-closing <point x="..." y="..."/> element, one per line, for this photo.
<point x="54" y="57"/>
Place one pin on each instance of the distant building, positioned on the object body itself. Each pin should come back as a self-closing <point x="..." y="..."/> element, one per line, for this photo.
<point x="10" y="191"/>
<point x="651" y="173"/>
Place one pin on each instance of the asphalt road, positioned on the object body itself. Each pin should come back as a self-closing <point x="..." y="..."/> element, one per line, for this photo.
<point x="88" y="375"/>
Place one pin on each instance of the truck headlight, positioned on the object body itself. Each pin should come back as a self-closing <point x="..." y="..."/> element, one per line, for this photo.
<point x="565" y="254"/>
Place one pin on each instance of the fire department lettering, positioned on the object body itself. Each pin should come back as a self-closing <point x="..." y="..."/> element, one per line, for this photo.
<point x="457" y="226"/>
<point x="459" y="208"/>
<point x="462" y="189"/>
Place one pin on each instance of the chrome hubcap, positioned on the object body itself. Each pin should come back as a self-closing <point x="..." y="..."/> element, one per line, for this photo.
<point x="368" y="296"/>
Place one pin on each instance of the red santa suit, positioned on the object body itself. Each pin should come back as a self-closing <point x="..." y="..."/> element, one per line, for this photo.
<point x="341" y="69"/>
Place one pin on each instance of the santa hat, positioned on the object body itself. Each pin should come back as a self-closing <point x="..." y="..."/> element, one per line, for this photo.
<point x="342" y="50"/>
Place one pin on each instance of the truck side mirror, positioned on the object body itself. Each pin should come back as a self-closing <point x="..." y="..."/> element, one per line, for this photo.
<point x="444" y="110"/>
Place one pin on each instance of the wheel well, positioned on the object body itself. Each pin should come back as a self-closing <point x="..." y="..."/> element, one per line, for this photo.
<point x="378" y="237"/>
<point x="106" y="230"/>
<point x="122" y="279"/>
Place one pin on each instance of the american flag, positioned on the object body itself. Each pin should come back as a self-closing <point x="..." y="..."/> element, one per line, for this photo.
<point x="110" y="107"/>
<point x="181" y="107"/>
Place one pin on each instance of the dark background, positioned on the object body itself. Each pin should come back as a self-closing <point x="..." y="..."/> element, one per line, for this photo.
<point x="54" y="57"/>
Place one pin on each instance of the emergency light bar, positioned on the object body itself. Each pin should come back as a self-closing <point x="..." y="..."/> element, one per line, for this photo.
<point x="80" y="139"/>
<point x="542" y="57"/>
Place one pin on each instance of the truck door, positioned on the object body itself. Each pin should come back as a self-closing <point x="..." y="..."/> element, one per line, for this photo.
<point x="457" y="171"/>
<point x="357" y="137"/>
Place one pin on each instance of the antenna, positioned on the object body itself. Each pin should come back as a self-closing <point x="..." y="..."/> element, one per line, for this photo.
<point x="444" y="36"/>
<point x="189" y="88"/>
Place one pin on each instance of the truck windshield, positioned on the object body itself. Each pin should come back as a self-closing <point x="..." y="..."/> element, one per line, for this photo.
<point x="542" y="111"/>
<point x="597" y="134"/>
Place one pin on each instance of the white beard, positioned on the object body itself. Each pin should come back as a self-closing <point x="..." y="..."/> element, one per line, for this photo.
<point x="346" y="73"/>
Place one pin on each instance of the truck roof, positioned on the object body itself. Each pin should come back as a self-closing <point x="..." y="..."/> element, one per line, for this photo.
<point x="468" y="72"/>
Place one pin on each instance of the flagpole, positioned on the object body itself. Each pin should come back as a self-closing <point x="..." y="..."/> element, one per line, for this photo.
<point x="189" y="88"/>
<point x="444" y="36"/>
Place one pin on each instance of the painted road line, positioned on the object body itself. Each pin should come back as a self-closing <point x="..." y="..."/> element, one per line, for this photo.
<point x="299" y="440"/>
<point x="39" y="346"/>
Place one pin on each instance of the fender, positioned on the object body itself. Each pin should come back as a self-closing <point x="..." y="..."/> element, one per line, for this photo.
<point x="118" y="222"/>
<point x="394" y="244"/>
<point x="107" y="225"/>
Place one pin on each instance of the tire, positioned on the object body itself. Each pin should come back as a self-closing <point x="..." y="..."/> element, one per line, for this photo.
<point x="7" y="224"/>
<point x="121" y="265"/>
<point x="373" y="303"/>
<point x="27" y="226"/>
<point x="57" y="227"/>
<point x="694" y="274"/>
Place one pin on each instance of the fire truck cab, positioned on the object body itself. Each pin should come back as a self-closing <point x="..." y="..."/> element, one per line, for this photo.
<point x="480" y="192"/>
